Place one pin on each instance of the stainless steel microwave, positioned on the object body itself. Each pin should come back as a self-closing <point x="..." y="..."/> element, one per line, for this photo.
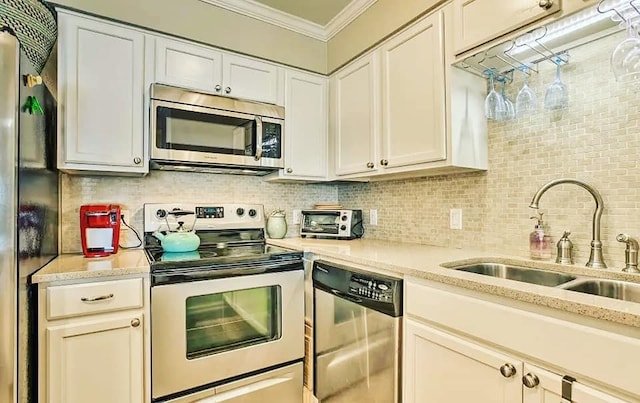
<point x="210" y="133"/>
<point x="335" y="224"/>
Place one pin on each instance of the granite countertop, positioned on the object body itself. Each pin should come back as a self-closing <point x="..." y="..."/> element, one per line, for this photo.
<point x="77" y="267"/>
<point x="432" y="263"/>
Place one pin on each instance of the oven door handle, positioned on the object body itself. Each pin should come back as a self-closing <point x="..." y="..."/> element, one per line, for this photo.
<point x="258" y="138"/>
<point x="348" y="297"/>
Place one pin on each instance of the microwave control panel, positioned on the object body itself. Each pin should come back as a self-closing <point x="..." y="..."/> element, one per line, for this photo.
<point x="371" y="288"/>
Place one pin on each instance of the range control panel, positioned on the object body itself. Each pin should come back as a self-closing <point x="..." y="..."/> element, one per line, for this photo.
<point x="210" y="212"/>
<point x="370" y="287"/>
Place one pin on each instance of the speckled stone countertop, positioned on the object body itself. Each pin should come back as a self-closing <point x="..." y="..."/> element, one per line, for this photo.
<point x="77" y="267"/>
<point x="433" y="263"/>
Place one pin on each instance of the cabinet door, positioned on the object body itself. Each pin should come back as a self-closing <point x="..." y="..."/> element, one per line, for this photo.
<point x="413" y="100"/>
<point x="306" y="125"/>
<point x="100" y="76"/>
<point x="442" y="368"/>
<point x="479" y="21"/>
<point x="356" y="104"/>
<point x="189" y="66"/>
<point x="96" y="360"/>
<point x="549" y="389"/>
<point x="249" y="79"/>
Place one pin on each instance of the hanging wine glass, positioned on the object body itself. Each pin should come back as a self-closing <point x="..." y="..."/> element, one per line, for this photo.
<point x="557" y="95"/>
<point x="509" y="111"/>
<point x="526" y="100"/>
<point x="494" y="105"/>
<point x="625" y="59"/>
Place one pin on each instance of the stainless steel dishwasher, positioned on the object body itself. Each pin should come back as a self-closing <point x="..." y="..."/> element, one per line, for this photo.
<point x="357" y="335"/>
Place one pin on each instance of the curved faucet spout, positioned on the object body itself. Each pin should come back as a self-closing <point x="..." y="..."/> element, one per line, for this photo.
<point x="595" y="260"/>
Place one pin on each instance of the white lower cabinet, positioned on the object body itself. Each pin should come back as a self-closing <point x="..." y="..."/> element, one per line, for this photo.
<point x="93" y="340"/>
<point x="439" y="367"/>
<point x="96" y="360"/>
<point x="463" y="346"/>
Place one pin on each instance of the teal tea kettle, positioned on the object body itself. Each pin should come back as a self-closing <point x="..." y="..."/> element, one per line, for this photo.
<point x="180" y="240"/>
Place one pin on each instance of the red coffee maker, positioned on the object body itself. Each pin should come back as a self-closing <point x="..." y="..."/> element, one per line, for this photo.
<point x="99" y="229"/>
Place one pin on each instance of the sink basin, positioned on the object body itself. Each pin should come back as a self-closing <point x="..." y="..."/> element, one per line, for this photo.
<point x="606" y="288"/>
<point x="524" y="274"/>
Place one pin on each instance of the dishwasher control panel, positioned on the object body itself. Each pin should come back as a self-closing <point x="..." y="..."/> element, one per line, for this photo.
<point x="370" y="287"/>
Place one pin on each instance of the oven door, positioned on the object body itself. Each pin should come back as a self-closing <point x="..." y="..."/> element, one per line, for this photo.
<point x="204" y="332"/>
<point x="202" y="135"/>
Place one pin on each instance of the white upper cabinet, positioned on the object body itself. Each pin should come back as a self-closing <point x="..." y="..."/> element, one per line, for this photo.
<point x="413" y="95"/>
<point x="203" y="68"/>
<point x="100" y="84"/>
<point x="306" y="125"/>
<point x="479" y="21"/>
<point x="402" y="110"/>
<point x="249" y="79"/>
<point x="188" y="65"/>
<point x="355" y="98"/>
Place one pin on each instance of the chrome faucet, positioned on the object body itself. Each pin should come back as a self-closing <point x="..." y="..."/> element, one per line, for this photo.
<point x="595" y="259"/>
<point x="630" y="253"/>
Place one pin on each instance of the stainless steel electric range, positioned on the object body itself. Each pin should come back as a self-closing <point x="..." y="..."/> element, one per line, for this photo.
<point x="227" y="319"/>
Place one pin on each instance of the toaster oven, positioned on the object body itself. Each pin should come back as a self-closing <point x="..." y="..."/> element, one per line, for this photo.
<point x="334" y="224"/>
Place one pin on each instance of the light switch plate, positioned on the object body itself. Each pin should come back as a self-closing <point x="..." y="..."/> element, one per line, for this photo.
<point x="455" y="218"/>
<point x="373" y="217"/>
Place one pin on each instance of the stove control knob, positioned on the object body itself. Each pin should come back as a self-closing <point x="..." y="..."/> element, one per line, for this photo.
<point x="161" y="213"/>
<point x="240" y="211"/>
<point x="344" y="218"/>
<point x="343" y="227"/>
<point x="252" y="213"/>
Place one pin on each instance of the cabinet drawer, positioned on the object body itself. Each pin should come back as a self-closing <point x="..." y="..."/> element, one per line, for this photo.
<point x="82" y="299"/>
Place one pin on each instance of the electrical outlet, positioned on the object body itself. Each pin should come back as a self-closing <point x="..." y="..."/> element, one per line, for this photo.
<point x="124" y="216"/>
<point x="455" y="218"/>
<point x="297" y="216"/>
<point x="373" y="217"/>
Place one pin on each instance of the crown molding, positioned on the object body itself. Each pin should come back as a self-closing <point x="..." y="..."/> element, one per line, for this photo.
<point x="293" y="23"/>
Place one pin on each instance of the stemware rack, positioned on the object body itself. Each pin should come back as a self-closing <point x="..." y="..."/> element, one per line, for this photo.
<point x="552" y="42"/>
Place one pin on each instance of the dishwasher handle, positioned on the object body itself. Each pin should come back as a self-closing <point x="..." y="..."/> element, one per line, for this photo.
<point x="348" y="297"/>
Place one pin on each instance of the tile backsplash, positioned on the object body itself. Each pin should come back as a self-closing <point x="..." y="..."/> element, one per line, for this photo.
<point x="164" y="187"/>
<point x="596" y="140"/>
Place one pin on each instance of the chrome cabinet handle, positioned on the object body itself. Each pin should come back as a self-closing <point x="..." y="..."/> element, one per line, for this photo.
<point x="545" y="4"/>
<point x="508" y="370"/>
<point x="370" y="165"/>
<point x="384" y="163"/>
<point x="98" y="298"/>
<point x="530" y="380"/>
<point x="227" y="90"/>
<point x="289" y="170"/>
<point x="217" y="88"/>
<point x="137" y="160"/>
<point x="135" y="322"/>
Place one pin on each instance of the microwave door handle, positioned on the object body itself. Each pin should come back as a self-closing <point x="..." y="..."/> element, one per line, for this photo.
<point x="258" y="138"/>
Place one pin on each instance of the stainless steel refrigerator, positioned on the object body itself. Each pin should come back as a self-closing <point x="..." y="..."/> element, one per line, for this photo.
<point x="29" y="199"/>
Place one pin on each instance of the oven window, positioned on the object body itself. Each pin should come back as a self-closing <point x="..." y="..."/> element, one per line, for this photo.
<point x="178" y="129"/>
<point x="327" y="222"/>
<point x="232" y="320"/>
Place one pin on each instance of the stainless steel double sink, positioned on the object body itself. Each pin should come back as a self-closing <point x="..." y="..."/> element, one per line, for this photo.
<point x="617" y="289"/>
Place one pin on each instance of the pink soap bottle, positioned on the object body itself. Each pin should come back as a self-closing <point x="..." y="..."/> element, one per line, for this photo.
<point x="539" y="242"/>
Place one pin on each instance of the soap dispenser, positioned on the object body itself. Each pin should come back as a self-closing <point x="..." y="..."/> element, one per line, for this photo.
<point x="565" y="248"/>
<point x="539" y="243"/>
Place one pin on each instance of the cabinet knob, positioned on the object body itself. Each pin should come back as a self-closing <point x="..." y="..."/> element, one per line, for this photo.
<point x="530" y="380"/>
<point x="369" y="165"/>
<point x="545" y="4"/>
<point x="137" y="160"/>
<point x="508" y="370"/>
<point x="384" y="163"/>
<point x="227" y="90"/>
<point x="218" y="88"/>
<point x="135" y="322"/>
<point x="289" y="170"/>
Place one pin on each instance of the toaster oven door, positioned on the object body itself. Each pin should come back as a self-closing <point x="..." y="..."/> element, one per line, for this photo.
<point x="321" y="223"/>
